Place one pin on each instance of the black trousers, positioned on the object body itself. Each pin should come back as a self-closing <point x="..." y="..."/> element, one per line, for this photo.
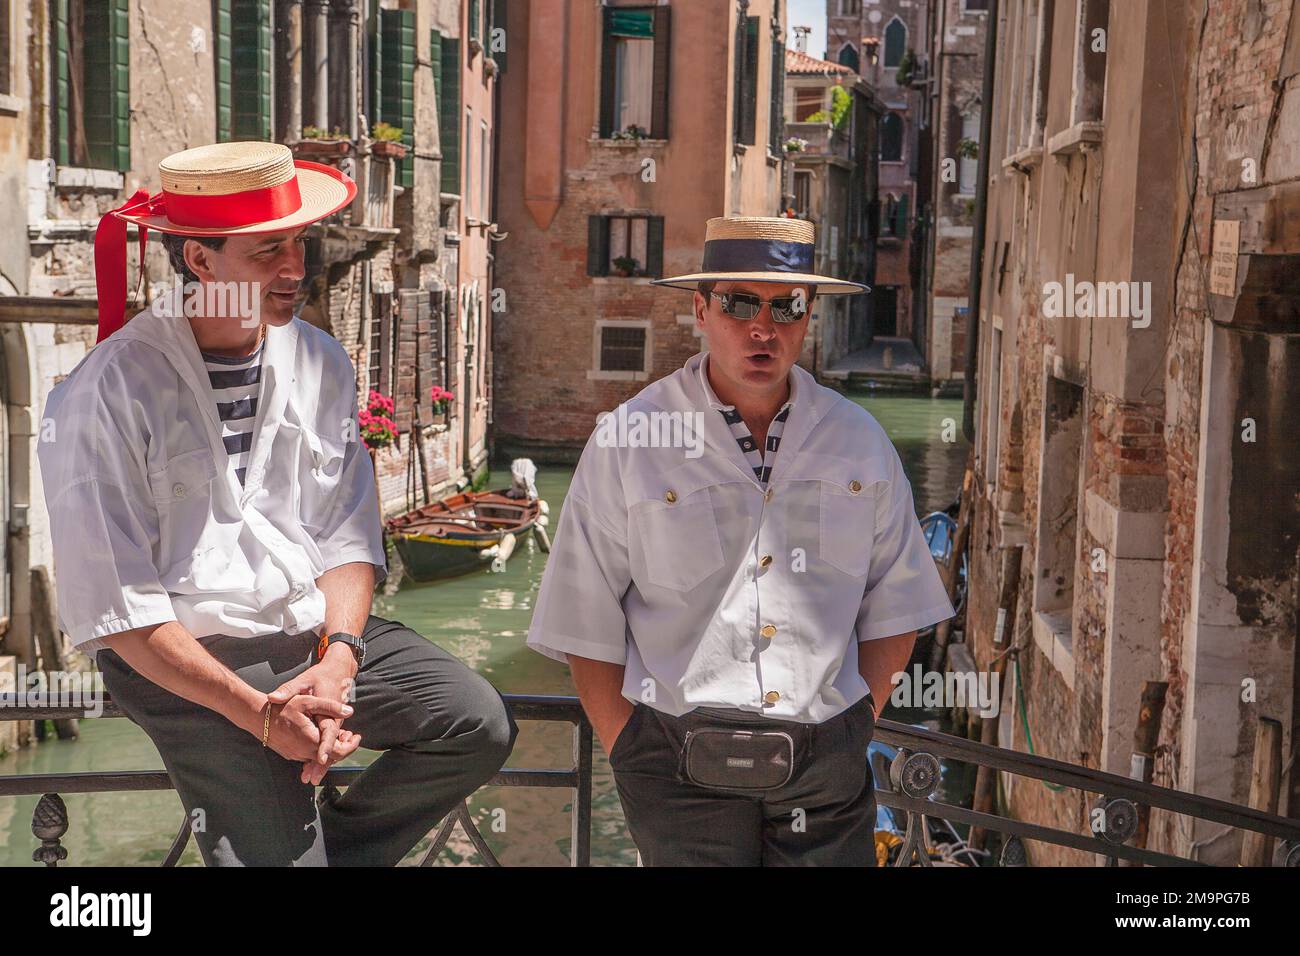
<point x="443" y="729"/>
<point x="825" y="815"/>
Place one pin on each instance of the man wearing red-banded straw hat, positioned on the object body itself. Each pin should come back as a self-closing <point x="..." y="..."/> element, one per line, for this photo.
<point x="217" y="537"/>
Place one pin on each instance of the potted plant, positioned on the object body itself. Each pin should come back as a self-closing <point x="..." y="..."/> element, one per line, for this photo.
<point x="633" y="132"/>
<point x="442" y="399"/>
<point x="319" y="142"/>
<point x="378" y="430"/>
<point x="388" y="141"/>
<point x="625" y="266"/>
<point x="795" y="144"/>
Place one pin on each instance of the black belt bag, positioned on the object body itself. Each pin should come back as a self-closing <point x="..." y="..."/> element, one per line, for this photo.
<point x="730" y="758"/>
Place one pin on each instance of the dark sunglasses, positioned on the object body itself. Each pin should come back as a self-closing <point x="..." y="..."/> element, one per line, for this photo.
<point x="743" y="305"/>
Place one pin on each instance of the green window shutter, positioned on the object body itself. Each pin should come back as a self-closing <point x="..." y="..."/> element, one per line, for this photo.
<point x="475" y="20"/>
<point x="498" y="23"/>
<point x="250" y="69"/>
<point x="598" y="246"/>
<point x="654" y="247"/>
<point x="659" y="91"/>
<point x="221" y="59"/>
<point x="62" y="94"/>
<point x="435" y="63"/>
<point x="449" y="114"/>
<point x="607" y="75"/>
<point x="749" y="125"/>
<point x="777" y="113"/>
<point x="398" y="104"/>
<point x="738" y="82"/>
<point x="376" y="65"/>
<point x="107" y="89"/>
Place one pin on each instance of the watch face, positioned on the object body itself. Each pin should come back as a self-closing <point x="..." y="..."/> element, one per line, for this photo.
<point x="322" y="646"/>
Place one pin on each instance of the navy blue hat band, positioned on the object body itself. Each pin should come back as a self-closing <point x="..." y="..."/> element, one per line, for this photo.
<point x="757" y="255"/>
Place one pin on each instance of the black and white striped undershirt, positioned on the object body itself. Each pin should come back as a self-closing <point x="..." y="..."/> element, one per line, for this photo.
<point x="236" y="383"/>
<point x="761" y="464"/>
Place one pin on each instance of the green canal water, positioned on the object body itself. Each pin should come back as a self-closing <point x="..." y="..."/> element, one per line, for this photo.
<point x="482" y="618"/>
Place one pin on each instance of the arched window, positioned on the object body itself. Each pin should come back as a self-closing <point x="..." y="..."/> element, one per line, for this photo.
<point x="891" y="137"/>
<point x="849" y="57"/>
<point x="895" y="42"/>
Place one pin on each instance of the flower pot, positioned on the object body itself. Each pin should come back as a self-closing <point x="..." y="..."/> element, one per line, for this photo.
<point x="323" y="147"/>
<point x="389" y="148"/>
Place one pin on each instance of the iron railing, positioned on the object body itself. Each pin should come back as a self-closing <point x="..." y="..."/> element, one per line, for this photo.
<point x="913" y="779"/>
<point x="50" y="818"/>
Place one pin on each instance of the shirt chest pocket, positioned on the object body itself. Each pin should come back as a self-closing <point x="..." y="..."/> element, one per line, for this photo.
<point x="182" y="493"/>
<point x="676" y="528"/>
<point x="846" y="494"/>
<point x="183" y="478"/>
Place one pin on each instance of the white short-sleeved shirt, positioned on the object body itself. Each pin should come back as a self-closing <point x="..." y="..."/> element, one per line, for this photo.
<point x="716" y="593"/>
<point x="150" y="523"/>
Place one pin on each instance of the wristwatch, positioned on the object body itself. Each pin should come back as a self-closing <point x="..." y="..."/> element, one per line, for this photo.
<point x="342" y="637"/>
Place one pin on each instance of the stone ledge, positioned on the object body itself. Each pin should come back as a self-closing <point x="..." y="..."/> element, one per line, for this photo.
<point x="1125" y="534"/>
<point x="594" y="375"/>
<point x="1053" y="637"/>
<point x="1079" y="138"/>
<point x="11" y="105"/>
<point x="97" y="180"/>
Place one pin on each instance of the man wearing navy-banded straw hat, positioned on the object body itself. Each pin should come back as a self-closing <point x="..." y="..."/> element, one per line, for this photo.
<point x="732" y="619"/>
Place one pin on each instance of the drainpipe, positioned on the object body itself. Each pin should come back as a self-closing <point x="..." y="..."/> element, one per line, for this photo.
<point x="977" y="234"/>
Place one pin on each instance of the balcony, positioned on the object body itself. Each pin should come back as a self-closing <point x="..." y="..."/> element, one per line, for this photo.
<point x="824" y="141"/>
<point x="357" y="229"/>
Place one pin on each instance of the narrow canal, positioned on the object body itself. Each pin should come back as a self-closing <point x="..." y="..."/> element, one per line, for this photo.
<point x="482" y="618"/>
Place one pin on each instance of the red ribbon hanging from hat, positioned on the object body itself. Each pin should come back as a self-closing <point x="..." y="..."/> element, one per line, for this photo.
<point x="110" y="262"/>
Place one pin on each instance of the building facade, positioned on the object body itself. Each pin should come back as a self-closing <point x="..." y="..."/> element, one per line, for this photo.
<point x="630" y="124"/>
<point x="1138" y="360"/>
<point x="956" y="52"/>
<point x="886" y="43"/>
<point x="831" y="126"/>
<point x="94" y="93"/>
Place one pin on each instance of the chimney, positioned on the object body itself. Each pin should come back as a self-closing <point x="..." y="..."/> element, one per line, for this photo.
<point x="801" y="38"/>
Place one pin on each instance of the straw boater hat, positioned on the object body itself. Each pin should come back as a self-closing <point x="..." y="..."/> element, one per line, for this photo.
<point x="761" y="249"/>
<point x="226" y="189"/>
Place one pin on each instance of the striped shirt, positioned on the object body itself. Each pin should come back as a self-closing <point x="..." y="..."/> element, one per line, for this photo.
<point x="236" y="382"/>
<point x="760" y="462"/>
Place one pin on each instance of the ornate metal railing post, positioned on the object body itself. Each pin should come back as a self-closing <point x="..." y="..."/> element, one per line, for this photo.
<point x="49" y="823"/>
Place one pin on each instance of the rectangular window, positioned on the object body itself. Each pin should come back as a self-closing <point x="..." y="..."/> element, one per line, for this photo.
<point x="475" y="20"/>
<point x="808" y="101"/>
<point x="397" y="93"/>
<point x="446" y="77"/>
<point x="92" y="124"/>
<point x="1058" y="512"/>
<point x="622" y="348"/>
<point x="381" y="337"/>
<point x="484" y="177"/>
<point x="634" y="71"/>
<point x="802" y="192"/>
<point x="1088" y="95"/>
<point x="625" y="245"/>
<point x="968" y="169"/>
<point x="242" y="53"/>
<point x="973" y="6"/>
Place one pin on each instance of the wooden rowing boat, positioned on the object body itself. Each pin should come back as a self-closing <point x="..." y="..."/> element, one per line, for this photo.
<point x="461" y="533"/>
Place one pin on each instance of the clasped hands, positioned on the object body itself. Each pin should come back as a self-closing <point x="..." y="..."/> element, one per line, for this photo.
<point x="307" y="714"/>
